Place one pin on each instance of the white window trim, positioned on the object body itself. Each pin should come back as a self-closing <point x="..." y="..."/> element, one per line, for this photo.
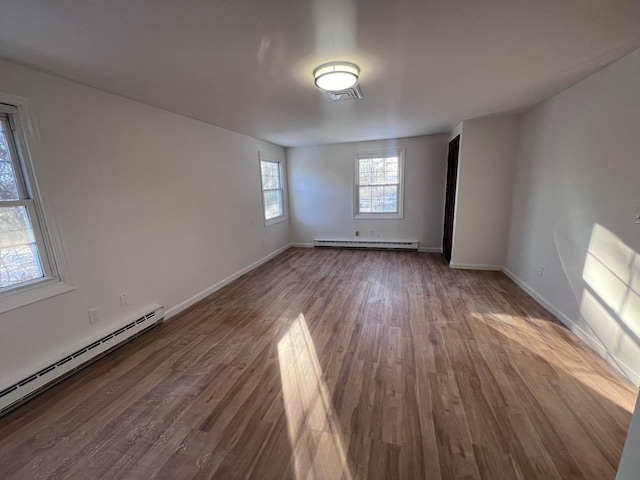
<point x="283" y="181"/>
<point x="380" y="216"/>
<point x="57" y="279"/>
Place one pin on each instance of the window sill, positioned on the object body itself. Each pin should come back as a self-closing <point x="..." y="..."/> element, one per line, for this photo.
<point x="32" y="293"/>
<point x="273" y="221"/>
<point x="378" y="216"/>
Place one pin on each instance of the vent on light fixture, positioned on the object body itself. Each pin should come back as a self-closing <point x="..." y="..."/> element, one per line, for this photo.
<point x="336" y="76"/>
<point x="349" y="94"/>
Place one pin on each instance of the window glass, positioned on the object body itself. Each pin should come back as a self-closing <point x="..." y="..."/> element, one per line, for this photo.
<point x="378" y="184"/>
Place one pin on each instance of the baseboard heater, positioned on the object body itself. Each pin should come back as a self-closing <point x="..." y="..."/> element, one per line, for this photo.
<point x="27" y="388"/>
<point x="376" y="243"/>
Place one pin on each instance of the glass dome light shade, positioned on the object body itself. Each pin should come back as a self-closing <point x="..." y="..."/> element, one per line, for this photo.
<point x="336" y="76"/>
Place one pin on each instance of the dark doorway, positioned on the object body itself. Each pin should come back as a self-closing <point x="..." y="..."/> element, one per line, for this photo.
<point x="450" y="199"/>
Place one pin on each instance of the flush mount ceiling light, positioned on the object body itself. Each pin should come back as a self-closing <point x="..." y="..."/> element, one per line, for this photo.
<point x="336" y="76"/>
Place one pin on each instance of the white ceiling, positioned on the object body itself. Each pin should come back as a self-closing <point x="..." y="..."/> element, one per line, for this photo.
<point x="246" y="65"/>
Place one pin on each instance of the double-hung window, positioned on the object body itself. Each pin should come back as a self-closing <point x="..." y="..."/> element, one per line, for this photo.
<point x="378" y="189"/>
<point x="271" y="173"/>
<point x="26" y="261"/>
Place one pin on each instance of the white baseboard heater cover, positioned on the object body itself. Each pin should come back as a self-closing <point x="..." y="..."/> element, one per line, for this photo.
<point x="25" y="389"/>
<point x="377" y="243"/>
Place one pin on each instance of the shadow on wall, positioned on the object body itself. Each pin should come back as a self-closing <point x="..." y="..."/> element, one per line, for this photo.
<point x="610" y="300"/>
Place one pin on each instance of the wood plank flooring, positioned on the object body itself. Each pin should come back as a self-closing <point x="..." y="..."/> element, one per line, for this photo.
<point x="336" y="364"/>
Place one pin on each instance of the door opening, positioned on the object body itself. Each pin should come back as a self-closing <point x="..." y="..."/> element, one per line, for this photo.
<point x="450" y="197"/>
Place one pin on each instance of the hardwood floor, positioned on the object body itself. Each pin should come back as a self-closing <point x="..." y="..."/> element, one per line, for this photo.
<point x="328" y="364"/>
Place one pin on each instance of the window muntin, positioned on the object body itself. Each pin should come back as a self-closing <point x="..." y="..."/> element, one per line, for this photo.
<point x="272" y="190"/>
<point x="378" y="189"/>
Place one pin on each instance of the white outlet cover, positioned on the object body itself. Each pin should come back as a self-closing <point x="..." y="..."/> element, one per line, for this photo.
<point x="94" y="315"/>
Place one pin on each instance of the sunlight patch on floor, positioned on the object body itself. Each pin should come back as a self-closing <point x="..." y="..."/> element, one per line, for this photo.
<point x="314" y="431"/>
<point x="512" y="329"/>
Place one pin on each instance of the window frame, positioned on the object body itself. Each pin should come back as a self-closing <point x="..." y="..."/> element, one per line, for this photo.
<point x="356" y="185"/>
<point x="283" y="186"/>
<point x="23" y="143"/>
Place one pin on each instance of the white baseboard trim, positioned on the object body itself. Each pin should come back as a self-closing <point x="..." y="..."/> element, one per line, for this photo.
<point x="173" y="311"/>
<point x="538" y="298"/>
<point x="430" y="250"/>
<point x="593" y="343"/>
<point x="301" y="245"/>
<point x="474" y="266"/>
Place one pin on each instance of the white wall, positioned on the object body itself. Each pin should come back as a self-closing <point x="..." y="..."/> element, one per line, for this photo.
<point x="486" y="169"/>
<point x="576" y="197"/>
<point x="147" y="202"/>
<point x="321" y="188"/>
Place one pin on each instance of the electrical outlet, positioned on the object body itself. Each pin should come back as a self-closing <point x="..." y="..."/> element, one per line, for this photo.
<point x="370" y="233"/>
<point x="357" y="233"/>
<point x="124" y="299"/>
<point x="94" y="315"/>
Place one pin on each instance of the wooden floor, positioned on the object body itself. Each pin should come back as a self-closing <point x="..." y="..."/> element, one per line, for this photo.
<point x="329" y="364"/>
